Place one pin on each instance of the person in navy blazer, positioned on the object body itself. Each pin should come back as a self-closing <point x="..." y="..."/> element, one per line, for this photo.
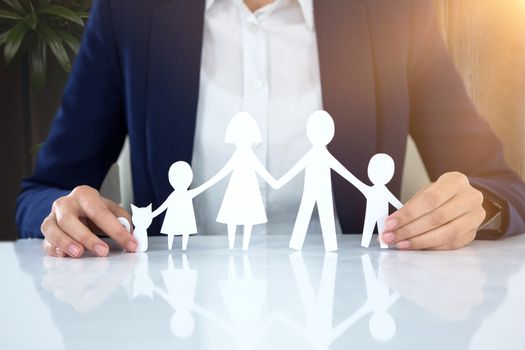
<point x="385" y="74"/>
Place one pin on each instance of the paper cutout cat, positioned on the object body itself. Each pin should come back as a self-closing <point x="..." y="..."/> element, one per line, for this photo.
<point x="141" y="218"/>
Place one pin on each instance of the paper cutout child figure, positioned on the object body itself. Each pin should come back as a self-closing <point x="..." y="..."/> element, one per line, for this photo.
<point x="242" y="203"/>
<point x="378" y="197"/>
<point x="317" y="165"/>
<point x="141" y="218"/>
<point x="180" y="216"/>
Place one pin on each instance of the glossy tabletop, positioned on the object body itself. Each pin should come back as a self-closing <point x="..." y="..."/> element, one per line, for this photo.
<point x="267" y="298"/>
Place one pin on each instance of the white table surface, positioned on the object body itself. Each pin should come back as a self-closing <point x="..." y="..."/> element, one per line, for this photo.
<point x="268" y="298"/>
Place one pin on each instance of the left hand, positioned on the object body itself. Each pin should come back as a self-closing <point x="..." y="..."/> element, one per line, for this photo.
<point x="445" y="215"/>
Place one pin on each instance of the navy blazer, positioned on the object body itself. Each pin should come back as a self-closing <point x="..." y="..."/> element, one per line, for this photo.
<point x="385" y="73"/>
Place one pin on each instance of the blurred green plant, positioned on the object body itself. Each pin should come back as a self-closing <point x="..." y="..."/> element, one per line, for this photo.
<point x="39" y="26"/>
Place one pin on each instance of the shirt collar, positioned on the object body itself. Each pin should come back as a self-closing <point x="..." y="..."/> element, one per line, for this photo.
<point x="306" y="6"/>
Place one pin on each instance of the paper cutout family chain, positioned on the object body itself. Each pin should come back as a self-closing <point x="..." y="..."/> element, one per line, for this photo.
<point x="243" y="204"/>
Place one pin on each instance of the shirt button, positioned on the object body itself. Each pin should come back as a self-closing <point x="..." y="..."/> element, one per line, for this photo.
<point x="257" y="84"/>
<point x="252" y="27"/>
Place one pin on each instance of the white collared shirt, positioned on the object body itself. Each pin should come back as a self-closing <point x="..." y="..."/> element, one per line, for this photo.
<point x="265" y="63"/>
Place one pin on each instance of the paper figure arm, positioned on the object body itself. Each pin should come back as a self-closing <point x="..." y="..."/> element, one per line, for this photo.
<point x="393" y="200"/>
<point x="296" y="169"/>
<point x="348" y="176"/>
<point x="162" y="207"/>
<point x="265" y="174"/>
<point x="228" y="167"/>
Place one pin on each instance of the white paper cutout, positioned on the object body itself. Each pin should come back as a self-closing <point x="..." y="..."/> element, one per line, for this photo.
<point x="317" y="165"/>
<point x="141" y="218"/>
<point x="381" y="169"/>
<point x="124" y="222"/>
<point x="242" y="204"/>
<point x="180" y="215"/>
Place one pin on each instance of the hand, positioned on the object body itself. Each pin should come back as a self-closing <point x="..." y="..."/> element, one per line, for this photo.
<point x="70" y="227"/>
<point x="443" y="216"/>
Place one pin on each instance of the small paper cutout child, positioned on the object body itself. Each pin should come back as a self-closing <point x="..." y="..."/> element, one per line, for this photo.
<point x="180" y="216"/>
<point x="381" y="169"/>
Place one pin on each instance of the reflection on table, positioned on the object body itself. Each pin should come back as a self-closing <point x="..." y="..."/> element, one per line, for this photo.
<point x="211" y="297"/>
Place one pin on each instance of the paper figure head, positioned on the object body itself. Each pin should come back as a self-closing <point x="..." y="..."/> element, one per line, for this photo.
<point x="182" y="323"/>
<point x="141" y="216"/>
<point x="381" y="169"/>
<point x="180" y="175"/>
<point x="320" y="128"/>
<point x="382" y="326"/>
<point x="243" y="130"/>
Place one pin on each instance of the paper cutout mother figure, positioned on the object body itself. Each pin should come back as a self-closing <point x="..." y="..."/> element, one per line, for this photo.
<point x="243" y="203"/>
<point x="317" y="165"/>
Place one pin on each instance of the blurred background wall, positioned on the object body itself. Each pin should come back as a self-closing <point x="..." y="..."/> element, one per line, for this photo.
<point x="486" y="39"/>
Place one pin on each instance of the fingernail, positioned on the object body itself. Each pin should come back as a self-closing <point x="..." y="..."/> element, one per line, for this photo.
<point x="390" y="224"/>
<point x="388" y="237"/>
<point x="101" y="250"/>
<point x="73" y="249"/>
<point x="131" y="246"/>
<point x="403" y="245"/>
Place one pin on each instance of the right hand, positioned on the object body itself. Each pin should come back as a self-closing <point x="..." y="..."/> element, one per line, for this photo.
<point x="74" y="219"/>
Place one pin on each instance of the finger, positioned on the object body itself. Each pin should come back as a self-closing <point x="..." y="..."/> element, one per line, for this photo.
<point x="431" y="198"/>
<point x="71" y="225"/>
<point x="60" y="239"/>
<point x="451" y="210"/>
<point x="117" y="210"/>
<point x="447" y="233"/>
<point x="96" y="211"/>
<point x="51" y="249"/>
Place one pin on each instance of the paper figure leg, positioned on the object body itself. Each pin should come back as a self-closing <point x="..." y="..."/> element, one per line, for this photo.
<point x="185" y="239"/>
<point x="301" y="223"/>
<point x="170" y="241"/>
<point x="327" y="220"/>
<point x="368" y="229"/>
<point x="231" y="235"/>
<point x="246" y="237"/>
<point x="380" y="229"/>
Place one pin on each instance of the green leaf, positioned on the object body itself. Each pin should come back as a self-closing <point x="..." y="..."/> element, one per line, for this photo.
<point x="15" y="5"/>
<point x="38" y="64"/>
<point x="9" y="15"/>
<point x="31" y="20"/>
<point x="83" y="14"/>
<point x="70" y="40"/>
<point x="62" y="12"/>
<point x="3" y="37"/>
<point x="54" y="43"/>
<point x="14" y="39"/>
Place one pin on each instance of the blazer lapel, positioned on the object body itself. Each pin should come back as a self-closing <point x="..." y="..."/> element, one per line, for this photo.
<point x="172" y="86"/>
<point x="347" y="77"/>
